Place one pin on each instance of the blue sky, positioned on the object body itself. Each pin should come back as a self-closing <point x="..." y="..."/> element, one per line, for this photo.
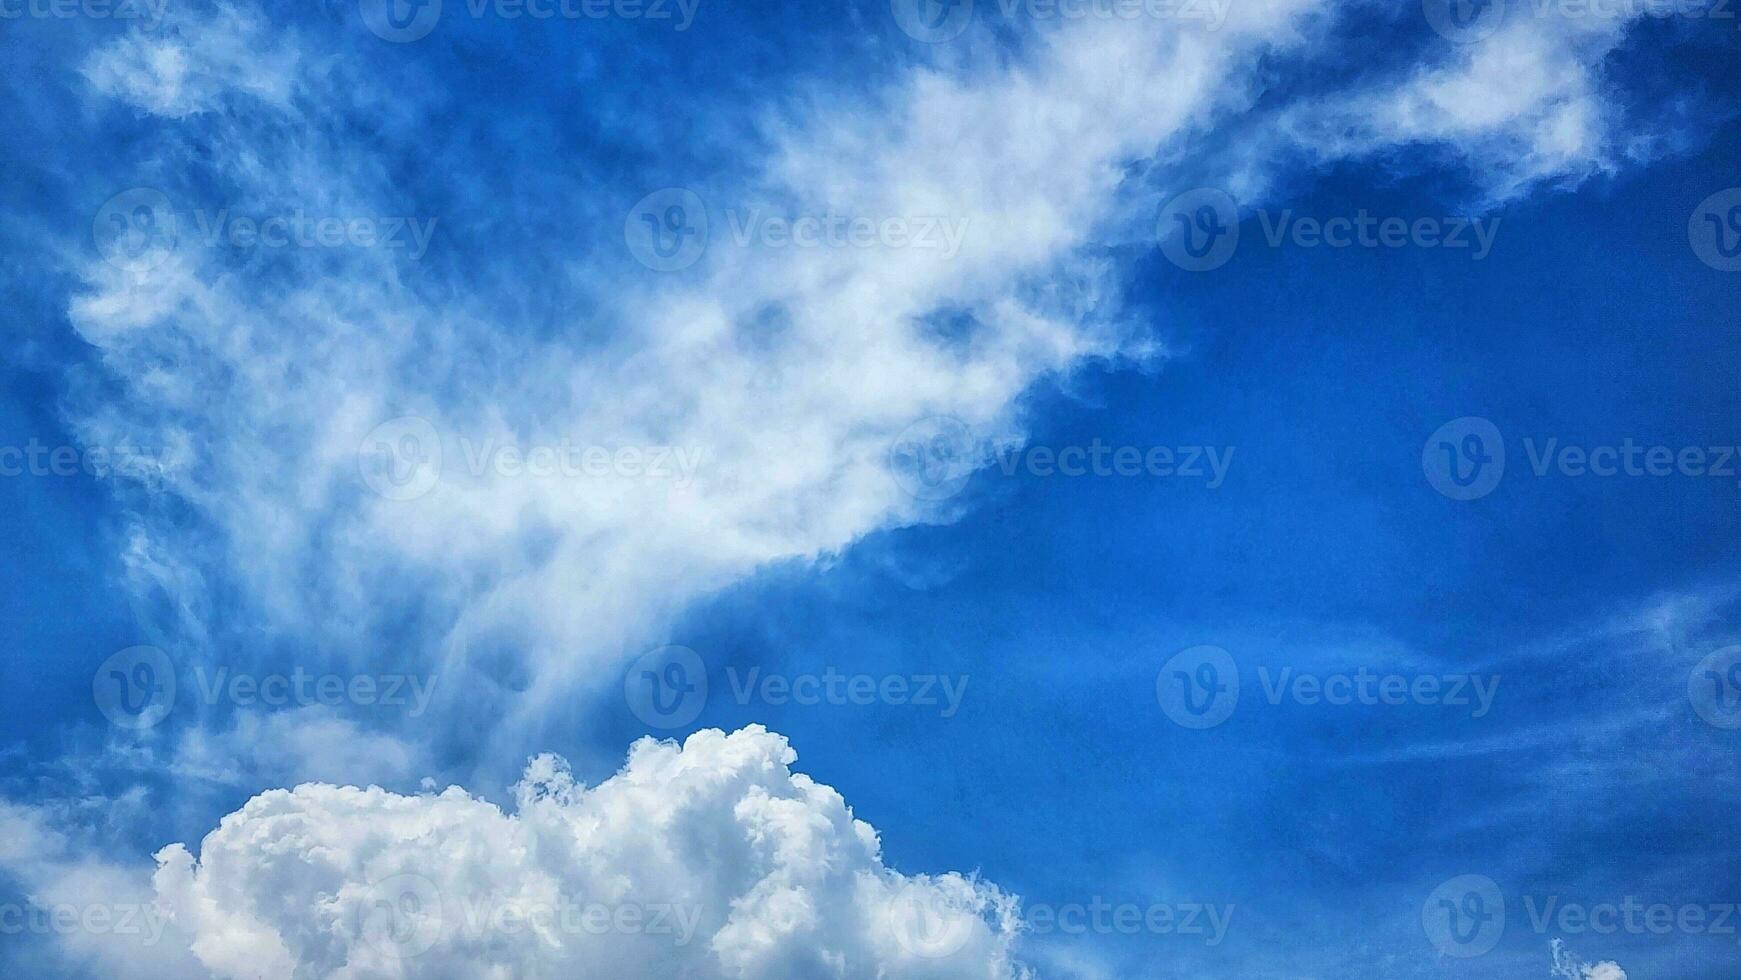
<point x="1042" y="614"/>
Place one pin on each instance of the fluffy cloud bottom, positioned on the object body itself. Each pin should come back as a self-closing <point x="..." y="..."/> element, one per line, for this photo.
<point x="713" y="859"/>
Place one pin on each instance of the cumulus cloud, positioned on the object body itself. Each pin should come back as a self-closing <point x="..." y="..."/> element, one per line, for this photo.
<point x="1569" y="967"/>
<point x="713" y="859"/>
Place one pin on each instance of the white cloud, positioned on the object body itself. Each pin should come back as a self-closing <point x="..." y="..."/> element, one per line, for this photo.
<point x="259" y="377"/>
<point x="265" y="404"/>
<point x="1570" y="967"/>
<point x="1526" y="105"/>
<point x="189" y="66"/>
<point x="709" y="860"/>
